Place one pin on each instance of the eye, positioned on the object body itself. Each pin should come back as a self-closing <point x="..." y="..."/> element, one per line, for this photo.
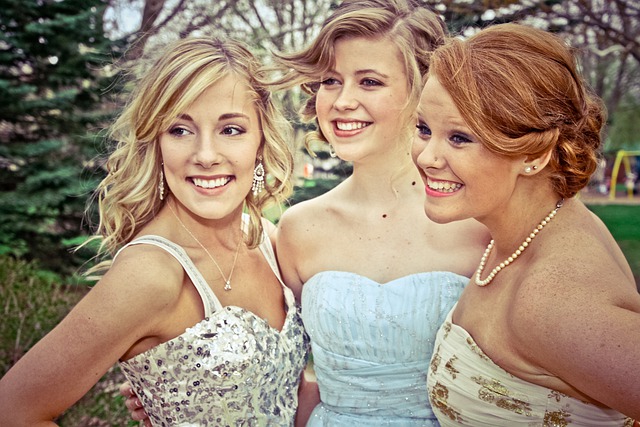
<point x="179" y="131"/>
<point x="423" y="130"/>
<point x="459" y="139"/>
<point x="370" y="82"/>
<point x="232" y="130"/>
<point x="329" y="82"/>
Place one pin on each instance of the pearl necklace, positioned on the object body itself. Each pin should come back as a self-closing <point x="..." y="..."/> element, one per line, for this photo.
<point x="514" y="255"/>
<point x="227" y="280"/>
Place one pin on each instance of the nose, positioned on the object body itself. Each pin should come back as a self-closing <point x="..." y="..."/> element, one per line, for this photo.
<point x="207" y="153"/>
<point x="346" y="99"/>
<point x="426" y="153"/>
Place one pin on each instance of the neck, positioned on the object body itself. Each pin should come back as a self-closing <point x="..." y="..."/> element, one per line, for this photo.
<point x="514" y="223"/>
<point x="223" y="232"/>
<point x="385" y="178"/>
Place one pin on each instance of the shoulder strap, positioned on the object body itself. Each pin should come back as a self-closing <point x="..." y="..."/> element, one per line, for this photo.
<point x="267" y="251"/>
<point x="209" y="299"/>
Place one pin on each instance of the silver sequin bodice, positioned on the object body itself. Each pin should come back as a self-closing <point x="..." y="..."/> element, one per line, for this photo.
<point x="231" y="369"/>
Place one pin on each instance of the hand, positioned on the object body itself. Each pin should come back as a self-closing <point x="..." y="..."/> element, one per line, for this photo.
<point x="133" y="404"/>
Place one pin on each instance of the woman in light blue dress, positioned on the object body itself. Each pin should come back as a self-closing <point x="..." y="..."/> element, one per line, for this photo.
<point x="375" y="277"/>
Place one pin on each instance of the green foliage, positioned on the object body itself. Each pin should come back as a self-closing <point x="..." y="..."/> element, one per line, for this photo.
<point x="51" y="103"/>
<point x="33" y="302"/>
<point x="102" y="406"/>
<point x="623" y="221"/>
<point x="312" y="188"/>
<point x="624" y="131"/>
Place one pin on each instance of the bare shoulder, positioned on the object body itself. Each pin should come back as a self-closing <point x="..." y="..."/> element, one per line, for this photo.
<point x="146" y="272"/>
<point x="577" y="271"/>
<point x="306" y="217"/>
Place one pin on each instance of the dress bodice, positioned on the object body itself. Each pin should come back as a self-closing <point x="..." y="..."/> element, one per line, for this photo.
<point x="466" y="388"/>
<point x="371" y="345"/>
<point x="232" y="368"/>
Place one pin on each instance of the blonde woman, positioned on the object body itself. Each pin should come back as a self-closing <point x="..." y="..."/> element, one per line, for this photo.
<point x="548" y="332"/>
<point x="192" y="306"/>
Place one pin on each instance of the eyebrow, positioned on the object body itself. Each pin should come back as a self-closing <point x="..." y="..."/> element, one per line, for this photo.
<point x="225" y="116"/>
<point x="371" y="71"/>
<point x="364" y="72"/>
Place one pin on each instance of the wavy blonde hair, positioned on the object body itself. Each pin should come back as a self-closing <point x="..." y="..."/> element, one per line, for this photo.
<point x="128" y="197"/>
<point x="416" y="31"/>
<point x="519" y="90"/>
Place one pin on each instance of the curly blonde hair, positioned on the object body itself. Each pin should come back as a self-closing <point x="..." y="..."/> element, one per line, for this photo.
<point x="128" y="198"/>
<point x="519" y="90"/>
<point x="416" y="31"/>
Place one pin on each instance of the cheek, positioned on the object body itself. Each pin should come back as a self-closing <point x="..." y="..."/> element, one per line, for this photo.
<point x="417" y="147"/>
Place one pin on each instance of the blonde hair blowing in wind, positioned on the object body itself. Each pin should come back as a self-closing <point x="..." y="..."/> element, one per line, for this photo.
<point x="416" y="31"/>
<point x="519" y="90"/>
<point x="128" y="197"/>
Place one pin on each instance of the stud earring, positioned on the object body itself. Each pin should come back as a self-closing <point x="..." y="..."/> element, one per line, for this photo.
<point x="258" y="178"/>
<point x="527" y="169"/>
<point x="161" y="185"/>
<point x="535" y="168"/>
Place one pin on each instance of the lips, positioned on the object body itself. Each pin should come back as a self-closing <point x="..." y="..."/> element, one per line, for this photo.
<point x="443" y="186"/>
<point x="211" y="183"/>
<point x="351" y="125"/>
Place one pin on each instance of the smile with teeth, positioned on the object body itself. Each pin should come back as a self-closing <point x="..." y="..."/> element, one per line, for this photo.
<point x="443" y="186"/>
<point x="351" y="125"/>
<point x="211" y="183"/>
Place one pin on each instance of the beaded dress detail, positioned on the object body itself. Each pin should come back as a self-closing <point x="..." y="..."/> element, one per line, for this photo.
<point x="231" y="369"/>
<point x="466" y="388"/>
<point x="371" y="345"/>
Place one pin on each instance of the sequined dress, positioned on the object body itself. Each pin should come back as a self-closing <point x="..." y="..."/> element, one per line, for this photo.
<point x="466" y="388"/>
<point x="371" y="345"/>
<point x="231" y="369"/>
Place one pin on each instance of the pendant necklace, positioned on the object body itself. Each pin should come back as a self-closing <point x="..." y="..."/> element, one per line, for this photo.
<point x="514" y="255"/>
<point x="227" y="280"/>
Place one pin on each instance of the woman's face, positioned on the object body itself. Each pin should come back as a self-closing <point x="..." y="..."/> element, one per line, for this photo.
<point x="462" y="178"/>
<point x="209" y="150"/>
<point x="361" y="102"/>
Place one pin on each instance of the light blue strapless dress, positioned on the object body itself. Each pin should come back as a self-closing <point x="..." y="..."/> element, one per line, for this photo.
<point x="372" y="343"/>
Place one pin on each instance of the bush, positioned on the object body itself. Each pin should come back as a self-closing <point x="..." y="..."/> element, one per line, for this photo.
<point x="33" y="302"/>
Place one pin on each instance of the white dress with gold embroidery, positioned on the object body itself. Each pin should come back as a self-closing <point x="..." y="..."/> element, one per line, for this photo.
<point x="466" y="388"/>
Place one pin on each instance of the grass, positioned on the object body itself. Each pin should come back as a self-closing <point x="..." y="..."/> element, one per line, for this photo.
<point x="623" y="221"/>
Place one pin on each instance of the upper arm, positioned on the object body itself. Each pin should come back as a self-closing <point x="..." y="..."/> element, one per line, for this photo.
<point x="289" y="246"/>
<point x="124" y="306"/>
<point x="587" y="336"/>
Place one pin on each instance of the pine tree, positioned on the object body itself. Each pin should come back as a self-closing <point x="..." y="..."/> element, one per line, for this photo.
<point x="52" y="79"/>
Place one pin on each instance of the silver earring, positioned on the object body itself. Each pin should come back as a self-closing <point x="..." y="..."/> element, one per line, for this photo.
<point x="527" y="169"/>
<point x="161" y="186"/>
<point x="332" y="152"/>
<point x="258" y="179"/>
<point x="535" y="168"/>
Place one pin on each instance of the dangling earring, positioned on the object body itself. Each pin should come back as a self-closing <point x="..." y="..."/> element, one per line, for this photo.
<point x="161" y="184"/>
<point x="332" y="152"/>
<point x="258" y="178"/>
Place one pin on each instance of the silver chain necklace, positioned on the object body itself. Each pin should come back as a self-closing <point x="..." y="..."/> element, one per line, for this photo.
<point x="227" y="280"/>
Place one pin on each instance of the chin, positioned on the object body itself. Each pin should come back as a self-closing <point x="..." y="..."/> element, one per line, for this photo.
<point x="438" y="216"/>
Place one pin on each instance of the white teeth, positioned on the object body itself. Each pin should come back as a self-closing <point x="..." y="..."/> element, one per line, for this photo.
<point x="210" y="183"/>
<point x="351" y="125"/>
<point x="444" y="187"/>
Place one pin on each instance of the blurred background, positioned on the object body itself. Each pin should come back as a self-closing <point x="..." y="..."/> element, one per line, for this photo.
<point x="65" y="66"/>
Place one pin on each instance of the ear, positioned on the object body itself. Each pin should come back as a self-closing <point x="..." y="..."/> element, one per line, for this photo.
<point x="533" y="165"/>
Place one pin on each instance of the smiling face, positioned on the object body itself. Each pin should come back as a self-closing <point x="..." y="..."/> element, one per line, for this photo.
<point x="361" y="103"/>
<point x="209" y="150"/>
<point x="462" y="178"/>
